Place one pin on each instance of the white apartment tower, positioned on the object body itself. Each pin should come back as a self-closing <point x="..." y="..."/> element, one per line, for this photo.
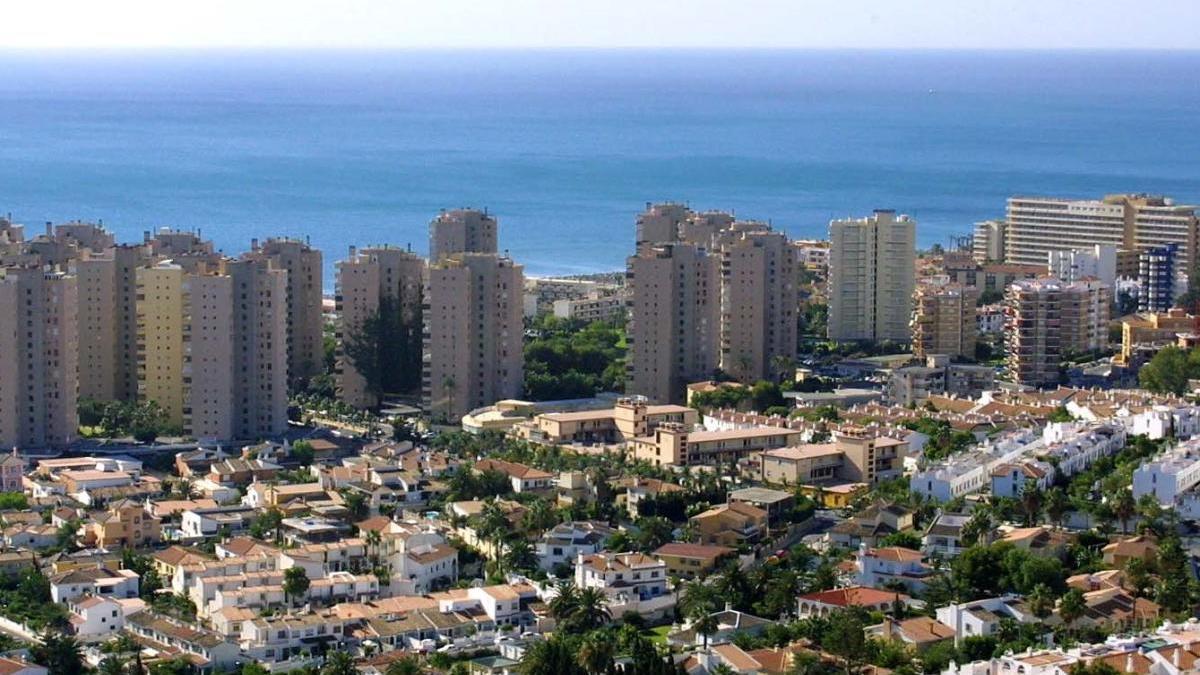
<point x="872" y="274"/>
<point x="474" y="333"/>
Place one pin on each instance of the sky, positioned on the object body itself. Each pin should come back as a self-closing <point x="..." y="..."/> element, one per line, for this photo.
<point x="863" y="24"/>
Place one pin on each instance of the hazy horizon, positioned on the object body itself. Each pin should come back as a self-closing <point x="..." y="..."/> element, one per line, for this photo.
<point x="617" y="24"/>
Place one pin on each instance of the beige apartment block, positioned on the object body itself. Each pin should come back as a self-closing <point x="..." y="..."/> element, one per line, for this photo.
<point x="364" y="278"/>
<point x="462" y="231"/>
<point x="170" y="243"/>
<point x="305" y="340"/>
<point x="758" y="305"/>
<point x="944" y="320"/>
<point x="259" y="348"/>
<point x="39" y="371"/>
<point x="872" y="275"/>
<point x="987" y="244"/>
<point x="160" y="334"/>
<point x="703" y="228"/>
<point x="628" y="419"/>
<point x="671" y="444"/>
<point x="90" y="236"/>
<point x="208" y="356"/>
<point x="674" y="320"/>
<point x="659" y="223"/>
<point x="1038" y="225"/>
<point x="1047" y="319"/>
<point x="857" y="455"/>
<point x="213" y="345"/>
<point x="108" y="329"/>
<point x="474" y="332"/>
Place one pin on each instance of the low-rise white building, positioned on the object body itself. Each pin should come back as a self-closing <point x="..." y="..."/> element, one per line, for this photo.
<point x="633" y="582"/>
<point x="95" y="617"/>
<point x="565" y="542"/>
<point x="983" y="617"/>
<point x="1170" y="474"/>
<point x="889" y="566"/>
<point x="99" y="581"/>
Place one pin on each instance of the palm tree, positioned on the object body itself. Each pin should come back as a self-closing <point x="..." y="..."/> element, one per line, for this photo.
<point x="519" y="555"/>
<point x="405" y="666"/>
<point x="373" y="539"/>
<point x="596" y="653"/>
<point x="1124" y="508"/>
<point x="699" y="598"/>
<point x="705" y="626"/>
<point x="565" y="600"/>
<point x="1071" y="607"/>
<point x="339" y="663"/>
<point x="1057" y="506"/>
<point x="112" y="665"/>
<point x="1031" y="502"/>
<point x="591" y="610"/>
<point x="539" y="517"/>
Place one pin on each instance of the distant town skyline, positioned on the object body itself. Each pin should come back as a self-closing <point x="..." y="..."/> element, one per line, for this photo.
<point x="865" y="24"/>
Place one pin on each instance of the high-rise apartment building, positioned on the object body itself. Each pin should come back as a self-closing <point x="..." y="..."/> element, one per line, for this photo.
<point x="674" y="319"/>
<point x="660" y="223"/>
<point x="1038" y="225"/>
<point x="305" y="341"/>
<point x="944" y="320"/>
<point x="168" y="243"/>
<point x="758" y="304"/>
<point x="702" y="229"/>
<point x="461" y="231"/>
<point x="1161" y="278"/>
<point x="38" y="371"/>
<point x="1098" y="262"/>
<point x="161" y="321"/>
<point x="872" y="275"/>
<point x="474" y="332"/>
<point x="1048" y="318"/>
<point x="260" y="372"/>
<point x="213" y="346"/>
<point x="987" y="244"/>
<point x="368" y="279"/>
<point x="108" y="330"/>
<point x="90" y="236"/>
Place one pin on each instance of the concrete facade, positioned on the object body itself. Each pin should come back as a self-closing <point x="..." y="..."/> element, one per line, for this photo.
<point x="872" y="275"/>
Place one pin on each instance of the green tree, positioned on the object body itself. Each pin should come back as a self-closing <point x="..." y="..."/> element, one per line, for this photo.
<point x="60" y="654"/>
<point x="844" y="637"/>
<point x="1167" y="372"/>
<point x="111" y="665"/>
<point x="385" y="347"/>
<point x="596" y="653"/>
<point x="295" y="582"/>
<point x="1071" y="607"/>
<point x="338" y="663"/>
<point x="706" y="625"/>
<point x="1124" y="507"/>
<point x="591" y="610"/>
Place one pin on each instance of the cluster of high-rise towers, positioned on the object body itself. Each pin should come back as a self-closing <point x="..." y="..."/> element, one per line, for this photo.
<point x="218" y="341"/>
<point x="708" y="293"/>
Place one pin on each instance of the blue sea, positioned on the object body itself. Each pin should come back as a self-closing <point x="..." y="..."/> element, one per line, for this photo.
<point x="565" y="147"/>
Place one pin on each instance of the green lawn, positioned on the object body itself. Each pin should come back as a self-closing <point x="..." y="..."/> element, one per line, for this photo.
<point x="658" y="635"/>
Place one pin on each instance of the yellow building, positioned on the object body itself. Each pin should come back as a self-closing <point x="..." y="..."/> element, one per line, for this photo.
<point x="124" y="524"/>
<point x="160" y="318"/>
<point x="1149" y="328"/>
<point x="689" y="561"/>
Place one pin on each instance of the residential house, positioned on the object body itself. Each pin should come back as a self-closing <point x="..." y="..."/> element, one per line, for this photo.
<point x="1009" y="479"/>
<point x="943" y="537"/>
<point x="984" y="617"/>
<point x="870" y="525"/>
<point x="891" y="567"/>
<point x="95" y="617"/>
<point x="689" y="561"/>
<point x="1120" y="552"/>
<point x="208" y="652"/>
<point x="777" y="503"/>
<point x="633" y="582"/>
<point x="921" y="632"/>
<point x="565" y="542"/>
<point x="824" y="603"/>
<point x="633" y="491"/>
<point x="124" y="524"/>
<point x="523" y="478"/>
<point x="79" y="581"/>
<point x="730" y="524"/>
<point x="730" y="622"/>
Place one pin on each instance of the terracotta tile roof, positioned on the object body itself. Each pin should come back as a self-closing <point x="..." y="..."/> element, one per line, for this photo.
<point x="854" y="596"/>
<point x="896" y="554"/>
<point x="703" y="551"/>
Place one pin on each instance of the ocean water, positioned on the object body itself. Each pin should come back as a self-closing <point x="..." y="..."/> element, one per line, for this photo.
<point x="565" y="147"/>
